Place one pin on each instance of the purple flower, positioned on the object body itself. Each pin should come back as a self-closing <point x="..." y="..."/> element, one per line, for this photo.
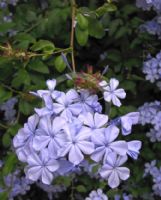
<point x="67" y="104"/>
<point x="133" y="148"/>
<point x="51" y="84"/>
<point x="41" y="167"/>
<point x="49" y="134"/>
<point x="77" y="144"/>
<point x="105" y="144"/>
<point x="127" y="121"/>
<point x="112" y="171"/>
<point x="94" y="122"/>
<point x="89" y="102"/>
<point x="97" y="195"/>
<point x="113" y="94"/>
<point x="23" y="140"/>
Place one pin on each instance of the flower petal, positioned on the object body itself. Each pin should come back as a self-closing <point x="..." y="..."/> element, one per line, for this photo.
<point x="123" y="172"/>
<point x="86" y="147"/>
<point x="113" y="84"/>
<point x="100" y="120"/>
<point x="111" y="133"/>
<point x="120" y="147"/>
<point x="46" y="176"/>
<point x="113" y="180"/>
<point x="75" y="155"/>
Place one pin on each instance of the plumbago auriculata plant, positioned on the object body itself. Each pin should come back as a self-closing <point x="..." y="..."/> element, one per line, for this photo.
<point x="72" y="130"/>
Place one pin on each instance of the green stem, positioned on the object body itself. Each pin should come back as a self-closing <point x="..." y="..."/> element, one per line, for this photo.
<point x="73" y="5"/>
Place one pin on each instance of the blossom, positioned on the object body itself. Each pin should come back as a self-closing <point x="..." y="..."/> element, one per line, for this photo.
<point x="127" y="121"/>
<point x="94" y="122"/>
<point x="67" y="104"/>
<point x="77" y="144"/>
<point x="41" y="167"/>
<point x="113" y="94"/>
<point x="105" y="144"/>
<point x="23" y="140"/>
<point x="89" y="102"/>
<point x="133" y="148"/>
<point x="49" y="134"/>
<point x="97" y="195"/>
<point x="51" y="84"/>
<point x="112" y="171"/>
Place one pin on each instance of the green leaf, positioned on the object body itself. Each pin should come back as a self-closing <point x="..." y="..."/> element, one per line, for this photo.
<point x="4" y="27"/>
<point x="25" y="37"/>
<point x="25" y="107"/>
<point x="107" y="7"/>
<point x="4" y="196"/>
<point x="95" y="28"/>
<point x="82" y="21"/>
<point x="121" y="32"/>
<point x="22" y="77"/>
<point x="24" y="40"/>
<point x="6" y="140"/>
<point x="81" y="189"/>
<point x="81" y="36"/>
<point x="43" y="45"/>
<point x="4" y="95"/>
<point x="9" y="164"/>
<point x="114" y="55"/>
<point x="38" y="66"/>
<point x="114" y="26"/>
<point x="13" y="129"/>
<point x="128" y="85"/>
<point x="59" y="64"/>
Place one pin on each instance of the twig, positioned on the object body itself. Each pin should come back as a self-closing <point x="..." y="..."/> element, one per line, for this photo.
<point x="3" y="126"/>
<point x="11" y="89"/>
<point x="73" y="5"/>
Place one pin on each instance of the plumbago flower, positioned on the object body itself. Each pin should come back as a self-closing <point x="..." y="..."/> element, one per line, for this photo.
<point x="71" y="131"/>
<point x="111" y="93"/>
<point x="112" y="170"/>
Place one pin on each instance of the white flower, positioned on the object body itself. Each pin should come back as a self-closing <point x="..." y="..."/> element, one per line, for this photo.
<point x="111" y="93"/>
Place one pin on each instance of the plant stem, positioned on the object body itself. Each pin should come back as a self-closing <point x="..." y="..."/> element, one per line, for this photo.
<point x="73" y="5"/>
<point x="56" y="52"/>
<point x="11" y="89"/>
<point x="3" y="126"/>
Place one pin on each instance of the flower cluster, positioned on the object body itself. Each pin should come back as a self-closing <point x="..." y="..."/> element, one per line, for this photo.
<point x="71" y="129"/>
<point x="155" y="172"/>
<point x="16" y="184"/>
<point x="153" y="26"/>
<point x="150" y="113"/>
<point x="52" y="189"/>
<point x="152" y="68"/>
<point x="7" y="15"/>
<point x="8" y="109"/>
<point x="149" y="4"/>
<point x="124" y="197"/>
<point x="98" y="194"/>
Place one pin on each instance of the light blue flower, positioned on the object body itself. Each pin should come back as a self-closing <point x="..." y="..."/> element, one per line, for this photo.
<point x="77" y="144"/>
<point x="89" y="102"/>
<point x="95" y="122"/>
<point x="50" y="134"/>
<point x="97" y="195"/>
<point x="112" y="94"/>
<point x="41" y="167"/>
<point x="24" y="139"/>
<point x="67" y="104"/>
<point x="127" y="121"/>
<point x="133" y="148"/>
<point x="112" y="170"/>
<point x="105" y="144"/>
